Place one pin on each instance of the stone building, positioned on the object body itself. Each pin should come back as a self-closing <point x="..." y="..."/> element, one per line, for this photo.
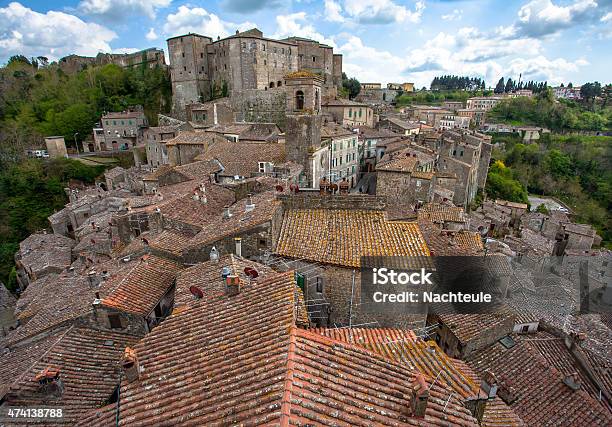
<point x="201" y="69"/>
<point x="477" y="116"/>
<point x="150" y="58"/>
<point x="350" y="113"/>
<point x="465" y="154"/>
<point x="304" y="90"/>
<point x="344" y="153"/>
<point x="305" y="146"/>
<point x="56" y="146"/>
<point x="155" y="144"/>
<point x="404" y="178"/>
<point x="485" y="103"/>
<point x="323" y="237"/>
<point x="122" y="130"/>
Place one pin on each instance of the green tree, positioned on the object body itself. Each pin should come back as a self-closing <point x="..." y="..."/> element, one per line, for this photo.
<point x="500" y="87"/>
<point x="352" y="86"/>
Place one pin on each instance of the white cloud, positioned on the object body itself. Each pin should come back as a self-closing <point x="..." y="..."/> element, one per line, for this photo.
<point x="333" y="11"/>
<point x="382" y="11"/>
<point x="52" y="34"/>
<point x="126" y="50"/>
<point x="293" y="25"/>
<point x="151" y="35"/>
<point x="541" y="68"/>
<point x="455" y="15"/>
<point x="542" y="17"/>
<point x="118" y="9"/>
<point x="199" y="20"/>
<point x="607" y="17"/>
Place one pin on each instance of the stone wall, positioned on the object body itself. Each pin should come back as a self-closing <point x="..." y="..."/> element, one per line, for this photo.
<point x="264" y="106"/>
<point x="302" y="138"/>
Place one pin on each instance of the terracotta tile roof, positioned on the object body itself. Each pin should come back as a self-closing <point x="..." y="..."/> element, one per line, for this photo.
<point x="438" y="212"/>
<point x="556" y="353"/>
<point x="448" y="243"/>
<point x="140" y="289"/>
<point x="423" y="175"/>
<point x="240" y="361"/>
<point x="541" y="396"/>
<point x="193" y="138"/>
<point x="61" y="301"/>
<point x="242" y="158"/>
<point x="266" y="205"/>
<point x="466" y="327"/>
<point x="342" y="236"/>
<point x="207" y="277"/>
<point x="170" y="241"/>
<point x="40" y="251"/>
<point x="426" y="357"/>
<point x="159" y="172"/>
<point x="200" y="169"/>
<point x="99" y="417"/>
<point x="332" y="130"/>
<point x="209" y="204"/>
<point x="15" y="361"/>
<point x="400" y="162"/>
<point x="87" y="361"/>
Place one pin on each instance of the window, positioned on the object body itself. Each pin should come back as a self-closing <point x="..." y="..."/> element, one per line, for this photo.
<point x="279" y="83"/>
<point x="299" y="100"/>
<point x="360" y="112"/>
<point x="350" y="113"/>
<point x="418" y="183"/>
<point x="183" y="54"/>
<point x="262" y="167"/>
<point x="263" y="47"/>
<point x="319" y="285"/>
<point x="201" y="55"/>
<point x="244" y="45"/>
<point x="283" y="50"/>
<point x="271" y="85"/>
<point x="115" y="321"/>
<point x="525" y="329"/>
<point x="461" y="153"/>
<point x="314" y="59"/>
<point x="184" y="68"/>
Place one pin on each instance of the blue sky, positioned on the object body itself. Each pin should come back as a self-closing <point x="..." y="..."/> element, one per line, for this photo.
<point x="381" y="40"/>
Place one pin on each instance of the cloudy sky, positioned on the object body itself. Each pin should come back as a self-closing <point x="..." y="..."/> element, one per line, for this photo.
<point x="381" y="40"/>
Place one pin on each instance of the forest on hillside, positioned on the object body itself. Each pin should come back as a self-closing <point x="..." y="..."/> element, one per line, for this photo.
<point x="577" y="169"/>
<point x="38" y="99"/>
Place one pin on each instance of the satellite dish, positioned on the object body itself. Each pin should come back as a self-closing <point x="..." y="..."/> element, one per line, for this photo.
<point x="279" y="188"/>
<point x="251" y="273"/>
<point x="196" y="292"/>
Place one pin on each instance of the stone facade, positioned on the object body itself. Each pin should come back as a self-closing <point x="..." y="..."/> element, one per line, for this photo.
<point x="303" y="139"/>
<point x="122" y="130"/>
<point x="202" y="68"/>
<point x="150" y="58"/>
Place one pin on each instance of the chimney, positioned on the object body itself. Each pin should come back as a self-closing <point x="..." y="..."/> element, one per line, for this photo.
<point x="49" y="382"/>
<point x="130" y="364"/>
<point x="420" y="396"/>
<point x="238" y="241"/>
<point x="478" y="403"/>
<point x="249" y="204"/>
<point x="93" y="279"/>
<point x="232" y="283"/>
<point x="227" y="214"/>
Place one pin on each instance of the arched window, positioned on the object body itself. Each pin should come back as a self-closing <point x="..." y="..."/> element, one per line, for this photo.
<point x="299" y="100"/>
<point x="279" y="83"/>
<point x="271" y="85"/>
<point x="350" y="113"/>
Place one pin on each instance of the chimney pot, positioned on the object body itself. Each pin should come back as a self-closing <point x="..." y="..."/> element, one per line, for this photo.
<point x="238" y="241"/>
<point x="130" y="364"/>
<point x="233" y="285"/>
<point x="420" y="396"/>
